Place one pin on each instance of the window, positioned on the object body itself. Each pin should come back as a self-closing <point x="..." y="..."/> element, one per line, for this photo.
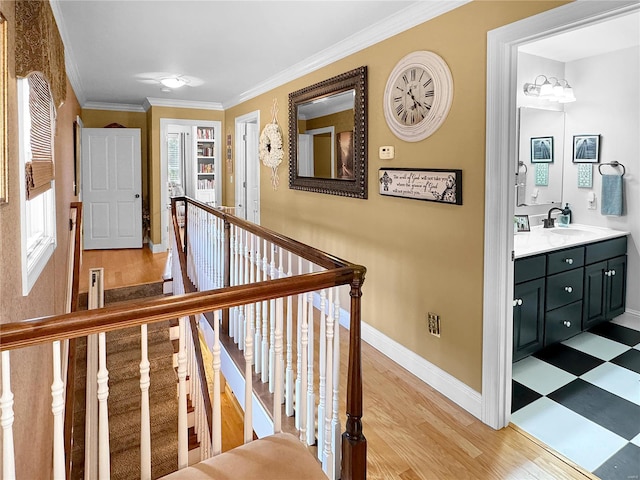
<point x="37" y="192"/>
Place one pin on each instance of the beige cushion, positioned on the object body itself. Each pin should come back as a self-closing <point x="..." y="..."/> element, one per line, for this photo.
<point x="276" y="457"/>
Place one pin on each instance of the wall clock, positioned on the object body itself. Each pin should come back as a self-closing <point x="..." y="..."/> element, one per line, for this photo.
<point x="418" y="96"/>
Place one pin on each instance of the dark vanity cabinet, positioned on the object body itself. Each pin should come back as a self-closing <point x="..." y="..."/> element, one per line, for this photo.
<point x="605" y="282"/>
<point x="561" y="293"/>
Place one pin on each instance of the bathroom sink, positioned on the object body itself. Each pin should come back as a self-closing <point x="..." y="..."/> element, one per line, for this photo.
<point x="571" y="231"/>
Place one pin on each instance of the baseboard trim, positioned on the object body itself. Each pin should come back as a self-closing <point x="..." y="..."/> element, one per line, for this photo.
<point x="155" y="248"/>
<point x="446" y="384"/>
<point x="630" y="319"/>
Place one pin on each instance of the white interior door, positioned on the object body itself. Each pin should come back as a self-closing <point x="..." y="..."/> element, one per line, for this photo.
<point x="247" y="165"/>
<point x="111" y="186"/>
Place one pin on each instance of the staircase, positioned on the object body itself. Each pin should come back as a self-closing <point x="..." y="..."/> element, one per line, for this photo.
<point x="123" y="363"/>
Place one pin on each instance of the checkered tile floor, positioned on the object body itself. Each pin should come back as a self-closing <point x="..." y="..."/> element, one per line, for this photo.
<point x="582" y="398"/>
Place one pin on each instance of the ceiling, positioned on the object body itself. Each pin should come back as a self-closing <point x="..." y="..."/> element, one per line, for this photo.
<point x="229" y="51"/>
<point x="596" y="39"/>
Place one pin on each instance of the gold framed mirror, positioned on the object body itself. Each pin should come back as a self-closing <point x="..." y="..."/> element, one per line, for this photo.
<point x="328" y="136"/>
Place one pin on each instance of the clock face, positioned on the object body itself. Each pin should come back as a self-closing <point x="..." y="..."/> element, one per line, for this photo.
<point x="418" y="96"/>
<point x="413" y="92"/>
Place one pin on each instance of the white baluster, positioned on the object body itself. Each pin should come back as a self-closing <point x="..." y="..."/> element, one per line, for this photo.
<point x="183" y="440"/>
<point x="104" y="461"/>
<point x="265" y="319"/>
<point x="322" y="367"/>
<point x="57" y="408"/>
<point x="248" y="389"/>
<point x="145" y="418"/>
<point x="251" y="256"/>
<point x="311" y="398"/>
<point x="289" y="370"/>
<point x="304" y="340"/>
<point x="299" y="390"/>
<point x="257" y="338"/>
<point x="272" y="324"/>
<point x="278" y="377"/>
<point x="233" y="279"/>
<point x="324" y="422"/>
<point x="241" y="280"/>
<point x="6" y="403"/>
<point x="217" y="412"/>
<point x="336" y="429"/>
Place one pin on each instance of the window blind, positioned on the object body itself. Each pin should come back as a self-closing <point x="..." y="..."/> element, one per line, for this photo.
<point x="40" y="168"/>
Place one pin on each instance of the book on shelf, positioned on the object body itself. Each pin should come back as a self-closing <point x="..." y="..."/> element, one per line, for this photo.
<point x="205" y="184"/>
<point x="205" y="133"/>
<point x="205" y="168"/>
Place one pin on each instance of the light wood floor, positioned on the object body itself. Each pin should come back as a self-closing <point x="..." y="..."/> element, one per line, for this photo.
<point x="123" y="268"/>
<point x="412" y="431"/>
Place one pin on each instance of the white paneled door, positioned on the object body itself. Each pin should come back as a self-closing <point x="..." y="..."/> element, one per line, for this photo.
<point x="111" y="188"/>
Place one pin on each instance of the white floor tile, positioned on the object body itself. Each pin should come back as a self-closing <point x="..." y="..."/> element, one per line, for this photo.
<point x="540" y="376"/>
<point x="596" y="346"/>
<point x="615" y="379"/>
<point x="636" y="440"/>
<point x="582" y="441"/>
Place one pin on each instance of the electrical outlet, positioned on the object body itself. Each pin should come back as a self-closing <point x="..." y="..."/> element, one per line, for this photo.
<point x="433" y="322"/>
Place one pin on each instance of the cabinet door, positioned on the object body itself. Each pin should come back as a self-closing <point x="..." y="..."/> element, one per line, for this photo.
<point x="616" y="286"/>
<point x="528" y="318"/>
<point x="594" y="310"/>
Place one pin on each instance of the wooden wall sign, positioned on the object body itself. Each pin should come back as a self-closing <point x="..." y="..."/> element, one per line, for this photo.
<point x="433" y="185"/>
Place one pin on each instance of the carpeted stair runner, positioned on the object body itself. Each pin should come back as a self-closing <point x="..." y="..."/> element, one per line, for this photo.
<point x="123" y="363"/>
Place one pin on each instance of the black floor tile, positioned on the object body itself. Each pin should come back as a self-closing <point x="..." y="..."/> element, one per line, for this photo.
<point x="604" y="408"/>
<point x="629" y="359"/>
<point x="521" y="396"/>
<point x="624" y="465"/>
<point x="621" y="334"/>
<point x="568" y="359"/>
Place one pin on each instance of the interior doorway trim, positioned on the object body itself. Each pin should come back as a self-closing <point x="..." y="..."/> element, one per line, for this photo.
<point x="244" y="170"/>
<point x="502" y="51"/>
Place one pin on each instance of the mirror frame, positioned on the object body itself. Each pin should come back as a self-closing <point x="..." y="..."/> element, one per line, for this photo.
<point x="357" y="188"/>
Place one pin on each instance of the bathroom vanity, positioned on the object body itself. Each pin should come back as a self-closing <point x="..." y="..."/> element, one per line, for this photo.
<point x="567" y="279"/>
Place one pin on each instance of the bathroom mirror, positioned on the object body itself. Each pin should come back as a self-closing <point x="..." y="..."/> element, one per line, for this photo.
<point x="328" y="136"/>
<point x="540" y="157"/>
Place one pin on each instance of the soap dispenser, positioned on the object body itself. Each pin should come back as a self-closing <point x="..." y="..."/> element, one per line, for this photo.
<point x="564" y="219"/>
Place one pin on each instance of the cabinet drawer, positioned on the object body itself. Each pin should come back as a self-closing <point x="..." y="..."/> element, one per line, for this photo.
<point x="564" y="288"/>
<point x="565" y="260"/>
<point x="529" y="268"/>
<point x="562" y="323"/>
<point x="597" y="252"/>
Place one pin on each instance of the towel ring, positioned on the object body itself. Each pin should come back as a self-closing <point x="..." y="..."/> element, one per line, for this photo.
<point x="613" y="164"/>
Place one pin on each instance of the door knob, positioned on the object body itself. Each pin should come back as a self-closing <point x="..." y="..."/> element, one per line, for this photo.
<point x="137" y="195"/>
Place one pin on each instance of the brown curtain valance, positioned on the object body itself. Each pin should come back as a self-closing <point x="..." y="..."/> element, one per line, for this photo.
<point x="39" y="47"/>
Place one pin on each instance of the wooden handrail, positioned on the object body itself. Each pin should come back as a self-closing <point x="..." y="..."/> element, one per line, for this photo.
<point x="78" y="324"/>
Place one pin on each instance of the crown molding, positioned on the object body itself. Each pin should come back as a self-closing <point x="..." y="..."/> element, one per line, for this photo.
<point x="118" y="107"/>
<point x="409" y="17"/>
<point x="69" y="64"/>
<point x="163" y="102"/>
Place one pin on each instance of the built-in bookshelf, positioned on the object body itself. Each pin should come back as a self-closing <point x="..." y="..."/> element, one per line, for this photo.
<point x="206" y="165"/>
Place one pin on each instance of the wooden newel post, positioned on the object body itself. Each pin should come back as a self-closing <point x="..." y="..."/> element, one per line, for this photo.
<point x="227" y="271"/>
<point x="354" y="445"/>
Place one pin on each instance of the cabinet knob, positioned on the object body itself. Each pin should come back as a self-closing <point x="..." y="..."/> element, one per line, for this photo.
<point x="608" y="273"/>
<point x="517" y="301"/>
<point x="569" y="261"/>
<point x="613" y="272"/>
<point x="566" y="323"/>
<point x="568" y="289"/>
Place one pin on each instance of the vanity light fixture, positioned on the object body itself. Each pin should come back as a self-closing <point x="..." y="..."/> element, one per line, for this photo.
<point x="174" y="82"/>
<point x="550" y="89"/>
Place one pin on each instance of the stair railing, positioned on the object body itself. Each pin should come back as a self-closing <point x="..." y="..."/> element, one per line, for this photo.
<point x="219" y="249"/>
<point x="311" y="271"/>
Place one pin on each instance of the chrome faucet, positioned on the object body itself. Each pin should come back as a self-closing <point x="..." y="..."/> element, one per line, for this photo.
<point x="550" y="222"/>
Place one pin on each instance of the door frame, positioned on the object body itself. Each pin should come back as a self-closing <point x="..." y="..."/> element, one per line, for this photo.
<point x="164" y="130"/>
<point x="252" y="173"/>
<point x="501" y="146"/>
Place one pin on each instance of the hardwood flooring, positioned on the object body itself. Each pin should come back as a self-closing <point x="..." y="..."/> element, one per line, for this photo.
<point x="412" y="431"/>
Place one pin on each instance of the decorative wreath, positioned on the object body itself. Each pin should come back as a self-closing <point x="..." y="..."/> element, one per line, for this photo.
<point x="271" y="152"/>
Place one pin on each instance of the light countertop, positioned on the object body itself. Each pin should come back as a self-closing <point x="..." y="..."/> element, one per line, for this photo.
<point x="541" y="240"/>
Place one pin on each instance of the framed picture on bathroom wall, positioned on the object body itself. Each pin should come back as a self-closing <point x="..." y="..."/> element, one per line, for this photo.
<point x="521" y="223"/>
<point x="541" y="149"/>
<point x="586" y="148"/>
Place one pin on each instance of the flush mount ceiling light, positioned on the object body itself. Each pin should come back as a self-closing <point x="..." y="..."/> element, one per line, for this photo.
<point x="174" y="82"/>
<point x="550" y="89"/>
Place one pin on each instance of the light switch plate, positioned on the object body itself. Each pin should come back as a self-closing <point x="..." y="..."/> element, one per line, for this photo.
<point x="386" y="153"/>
